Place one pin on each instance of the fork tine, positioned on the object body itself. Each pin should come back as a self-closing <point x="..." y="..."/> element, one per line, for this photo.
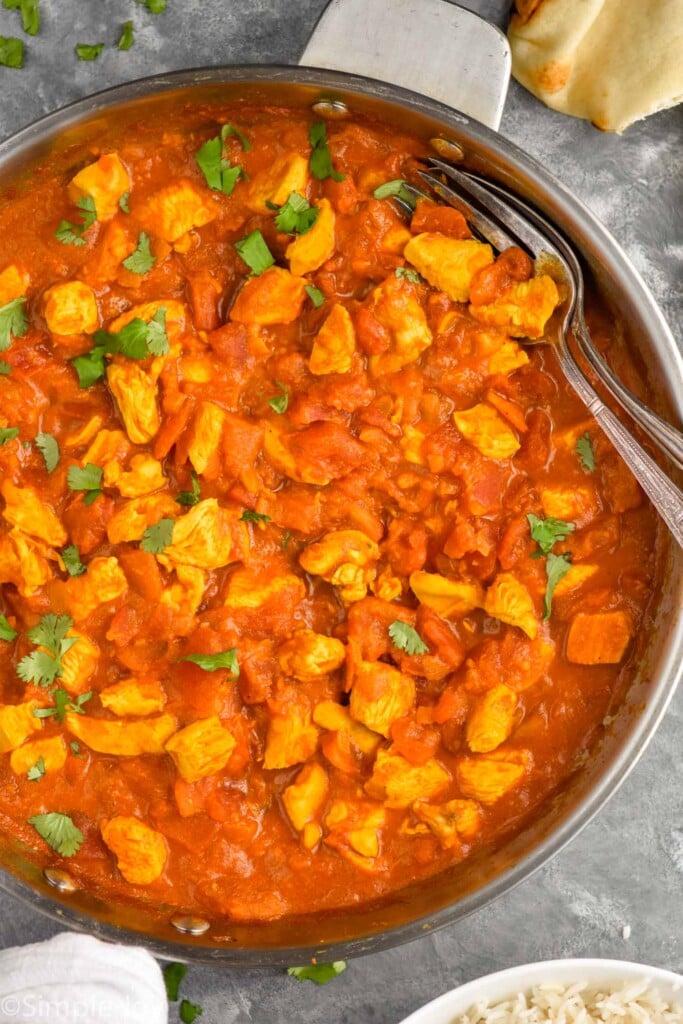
<point x="525" y="231"/>
<point x="482" y="224"/>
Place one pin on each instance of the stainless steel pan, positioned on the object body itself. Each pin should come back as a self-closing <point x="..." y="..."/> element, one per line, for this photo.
<point x="355" y="34"/>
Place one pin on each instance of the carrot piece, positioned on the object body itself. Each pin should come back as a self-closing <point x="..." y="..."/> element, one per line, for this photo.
<point x="510" y="410"/>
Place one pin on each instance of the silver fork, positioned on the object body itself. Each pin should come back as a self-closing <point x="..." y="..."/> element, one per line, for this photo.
<point x="510" y="228"/>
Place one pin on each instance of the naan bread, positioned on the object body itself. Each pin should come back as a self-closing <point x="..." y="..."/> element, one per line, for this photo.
<point x="611" y="61"/>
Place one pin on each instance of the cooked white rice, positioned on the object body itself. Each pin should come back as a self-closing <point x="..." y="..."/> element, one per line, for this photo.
<point x="633" y="1003"/>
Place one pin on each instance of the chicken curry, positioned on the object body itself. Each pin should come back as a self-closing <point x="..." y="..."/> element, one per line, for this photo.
<point x="315" y="579"/>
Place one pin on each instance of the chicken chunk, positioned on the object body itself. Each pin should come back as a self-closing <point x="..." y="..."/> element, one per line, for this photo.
<point x="125" y="739"/>
<point x="70" y="308"/>
<point x="491" y="719"/>
<point x="446" y="597"/>
<point x="17" y="723"/>
<point x="104" y="581"/>
<point x="399" y="783"/>
<point x="205" y="439"/>
<point x="483" y="427"/>
<point x="449" y="264"/>
<point x="355" y="831"/>
<point x="203" y="537"/>
<point x="523" y="309"/>
<point x="176" y="209"/>
<point x="175" y="315"/>
<point x="133" y="697"/>
<point x="488" y="778"/>
<point x="575" y="578"/>
<point x="395" y="306"/>
<point x="275" y="184"/>
<point x="140" y="851"/>
<point x="509" y="601"/>
<point x="104" y="182"/>
<point x="132" y="519"/>
<point x="346" y="559"/>
<point x="304" y="800"/>
<point x="274" y="297"/>
<point x="26" y="510"/>
<point x="309" y="655"/>
<point x="145" y="476"/>
<point x="186" y="595"/>
<point x="291" y="739"/>
<point x="52" y="751"/>
<point x="334" y="344"/>
<point x="107" y="447"/>
<point x="451" y="822"/>
<point x="337" y="718"/>
<point x="24" y="562"/>
<point x="573" y="504"/>
<point x="14" y="282"/>
<point x="201" y="749"/>
<point x="135" y="391"/>
<point x="79" y="664"/>
<point x="318" y="454"/>
<point x="598" y="639"/>
<point x="380" y="695"/>
<point x="246" y="589"/>
<point x="309" y="251"/>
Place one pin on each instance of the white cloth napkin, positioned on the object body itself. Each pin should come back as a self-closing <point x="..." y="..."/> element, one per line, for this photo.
<point x="76" y="979"/>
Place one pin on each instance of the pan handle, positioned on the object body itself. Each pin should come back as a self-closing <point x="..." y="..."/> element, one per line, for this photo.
<point x="432" y="47"/>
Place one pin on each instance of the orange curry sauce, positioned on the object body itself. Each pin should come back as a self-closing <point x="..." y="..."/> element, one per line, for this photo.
<point x="392" y="696"/>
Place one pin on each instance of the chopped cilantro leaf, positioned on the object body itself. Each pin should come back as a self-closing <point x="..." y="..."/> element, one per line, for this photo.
<point x="36" y="771"/>
<point x="408" y="274"/>
<point x="5" y="368"/>
<point x="397" y="188"/>
<point x="297" y="216"/>
<point x="279" y="403"/>
<point x="51" y="633"/>
<point x="286" y="537"/>
<point x="63" y="703"/>
<point x="13" y="321"/>
<point x="255" y="253"/>
<point x="229" y="129"/>
<point x="130" y="341"/>
<point x="141" y="261"/>
<point x="157" y="537"/>
<point x="44" y="665"/>
<point x="157" y="339"/>
<point x="87" y="479"/>
<point x="49" y="449"/>
<point x="89" y="367"/>
<point x="584" y="449"/>
<point x="153" y="6"/>
<point x="76" y="748"/>
<point x="11" y="52"/>
<point x="320" y="160"/>
<point x="8" y="434"/>
<point x="189" y="1011"/>
<point x="546" y="532"/>
<point x="125" y="42"/>
<point x="254" y="517"/>
<point x="192" y="496"/>
<point x="123" y="202"/>
<point x="173" y="975"/>
<point x="6" y="631"/>
<point x="88" y="51"/>
<point x="39" y="668"/>
<point x="212" y="662"/>
<point x="71" y="557"/>
<point x="319" y="973"/>
<point x="30" y="18"/>
<point x="58" y="831"/>
<point x="406" y="638"/>
<point x="70" y="232"/>
<point x="315" y="295"/>
<point x="556" y="567"/>
<point x="218" y="172"/>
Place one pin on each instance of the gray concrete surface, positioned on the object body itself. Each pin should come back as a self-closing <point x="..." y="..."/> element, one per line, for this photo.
<point x="627" y="867"/>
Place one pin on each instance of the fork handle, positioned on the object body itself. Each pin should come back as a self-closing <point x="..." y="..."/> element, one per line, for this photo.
<point x="667" y="437"/>
<point x="666" y="497"/>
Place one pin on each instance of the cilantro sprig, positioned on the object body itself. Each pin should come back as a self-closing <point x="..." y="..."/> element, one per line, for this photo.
<point x="63" y="702"/>
<point x="71" y="232"/>
<point x="396" y="188"/>
<point x="8" y="434"/>
<point x="37" y="770"/>
<point x="71" y="557"/>
<point x="212" y="662"/>
<point x="58" y="831"/>
<point x="158" y="536"/>
<point x="30" y="16"/>
<point x="191" y="497"/>
<point x="45" y="664"/>
<point x="88" y="51"/>
<point x="126" y="40"/>
<point x="320" y="160"/>
<point x="255" y="253"/>
<point x="254" y="517"/>
<point x="315" y="295"/>
<point x="87" y="479"/>
<point x="406" y="638"/>
<point x="141" y="261"/>
<point x="173" y="976"/>
<point x="584" y="449"/>
<point x="6" y="631"/>
<point x="280" y="403"/>
<point x="319" y="973"/>
<point x="136" y="340"/>
<point x="13" y="321"/>
<point x="11" y="52"/>
<point x="296" y="216"/>
<point x="219" y="174"/>
<point x="547" y="533"/>
<point x="49" y="448"/>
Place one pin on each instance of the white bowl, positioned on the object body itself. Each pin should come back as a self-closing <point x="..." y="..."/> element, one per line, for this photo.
<point x="505" y="984"/>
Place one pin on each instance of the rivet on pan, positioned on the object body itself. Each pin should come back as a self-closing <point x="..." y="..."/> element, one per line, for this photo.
<point x="61" y="880"/>
<point x="333" y="110"/>
<point x="190" y="925"/>
<point x="448" y="149"/>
